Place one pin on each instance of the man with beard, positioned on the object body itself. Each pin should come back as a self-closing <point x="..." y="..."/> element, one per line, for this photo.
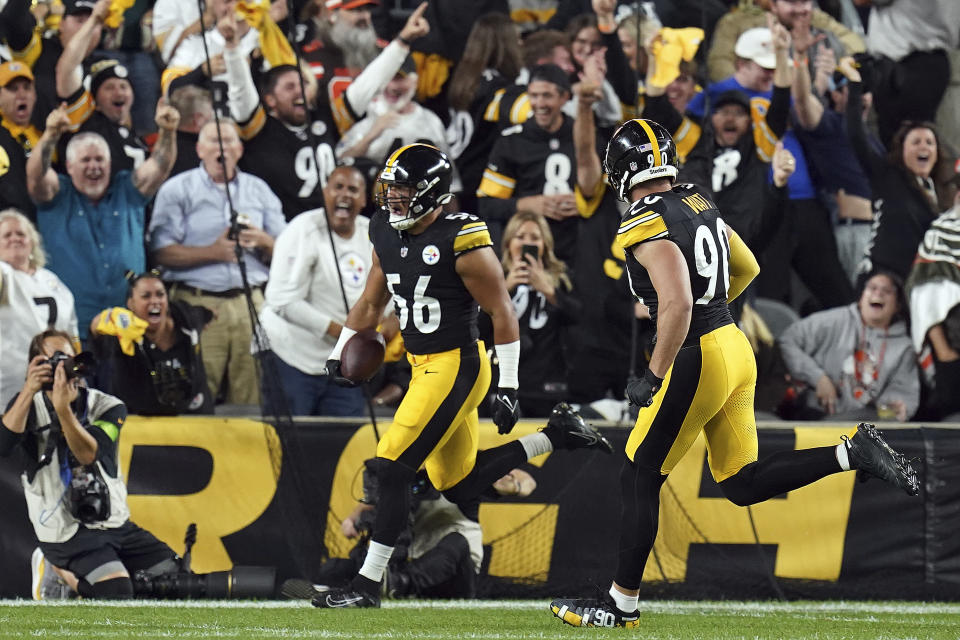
<point x="395" y="120"/>
<point x="304" y="310"/>
<point x="340" y="42"/>
<point x="290" y="153"/>
<point x="92" y="223"/>
<point x="105" y="108"/>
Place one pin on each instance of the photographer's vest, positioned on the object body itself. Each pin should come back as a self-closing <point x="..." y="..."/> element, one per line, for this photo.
<point x="46" y="493"/>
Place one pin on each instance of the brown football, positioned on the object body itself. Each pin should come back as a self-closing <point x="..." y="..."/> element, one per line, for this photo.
<point x="362" y="355"/>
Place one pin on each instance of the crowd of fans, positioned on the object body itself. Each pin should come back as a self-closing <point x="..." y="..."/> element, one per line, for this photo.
<point x="156" y="155"/>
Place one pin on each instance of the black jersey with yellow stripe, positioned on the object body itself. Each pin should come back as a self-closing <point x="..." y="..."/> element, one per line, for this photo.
<point x="688" y="218"/>
<point x="435" y="310"/>
<point x="286" y="158"/>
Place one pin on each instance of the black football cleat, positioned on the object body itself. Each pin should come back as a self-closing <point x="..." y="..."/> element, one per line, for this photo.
<point x="594" y="612"/>
<point x="566" y="429"/>
<point x="870" y="455"/>
<point x="344" y="598"/>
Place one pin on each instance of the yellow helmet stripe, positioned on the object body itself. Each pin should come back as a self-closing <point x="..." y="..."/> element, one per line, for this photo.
<point x="653" y="142"/>
<point x="396" y="154"/>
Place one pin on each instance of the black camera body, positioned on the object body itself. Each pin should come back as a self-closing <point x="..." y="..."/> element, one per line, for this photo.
<point x="88" y="495"/>
<point x="74" y="366"/>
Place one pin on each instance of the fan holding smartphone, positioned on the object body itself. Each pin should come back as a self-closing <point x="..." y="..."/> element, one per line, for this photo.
<point x="542" y="298"/>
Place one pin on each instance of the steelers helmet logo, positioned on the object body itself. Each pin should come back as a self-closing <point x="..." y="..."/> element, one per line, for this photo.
<point x="431" y="254"/>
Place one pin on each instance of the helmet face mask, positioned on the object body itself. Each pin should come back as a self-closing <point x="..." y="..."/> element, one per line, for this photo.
<point x="414" y="182"/>
<point x="639" y="151"/>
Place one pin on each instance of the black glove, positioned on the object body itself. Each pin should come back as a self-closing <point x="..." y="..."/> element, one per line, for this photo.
<point x="505" y="409"/>
<point x="333" y="371"/>
<point x="640" y="391"/>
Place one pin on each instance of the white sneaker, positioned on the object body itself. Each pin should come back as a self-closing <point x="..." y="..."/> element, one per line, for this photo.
<point x="45" y="584"/>
<point x="38" y="565"/>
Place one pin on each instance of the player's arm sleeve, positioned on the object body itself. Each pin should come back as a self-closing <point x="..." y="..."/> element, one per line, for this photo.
<point x="743" y="266"/>
<point x="495" y="199"/>
<point x="518" y="110"/>
<point x="372" y="79"/>
<point x="642" y="226"/>
<point x="241" y="92"/>
<point x="471" y="235"/>
<point x="774" y="124"/>
<point x="80" y="106"/>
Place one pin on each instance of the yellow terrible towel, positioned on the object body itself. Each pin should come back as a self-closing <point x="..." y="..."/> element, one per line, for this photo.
<point x="122" y="323"/>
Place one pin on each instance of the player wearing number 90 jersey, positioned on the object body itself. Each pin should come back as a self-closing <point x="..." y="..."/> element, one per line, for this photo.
<point x="686" y="265"/>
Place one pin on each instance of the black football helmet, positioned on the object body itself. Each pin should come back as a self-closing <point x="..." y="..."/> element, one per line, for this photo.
<point x="426" y="171"/>
<point x="639" y="151"/>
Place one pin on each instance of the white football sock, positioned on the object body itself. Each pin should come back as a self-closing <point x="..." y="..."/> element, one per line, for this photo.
<point x="536" y="444"/>
<point x="627" y="604"/>
<point x="378" y="555"/>
<point x="842" y="456"/>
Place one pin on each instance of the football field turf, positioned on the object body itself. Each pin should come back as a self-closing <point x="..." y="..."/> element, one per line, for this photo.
<point x="479" y="619"/>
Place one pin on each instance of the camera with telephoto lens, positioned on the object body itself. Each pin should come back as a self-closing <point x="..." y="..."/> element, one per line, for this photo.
<point x="88" y="495"/>
<point x="74" y="366"/>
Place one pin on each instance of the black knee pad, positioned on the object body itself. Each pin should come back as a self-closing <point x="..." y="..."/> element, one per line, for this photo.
<point x="112" y="589"/>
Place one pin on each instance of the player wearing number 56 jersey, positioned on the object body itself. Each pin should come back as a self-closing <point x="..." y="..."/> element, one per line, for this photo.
<point x="436" y="267"/>
<point x="686" y="264"/>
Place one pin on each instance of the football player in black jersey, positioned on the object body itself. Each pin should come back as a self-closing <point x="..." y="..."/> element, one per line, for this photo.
<point x="437" y="267"/>
<point x="685" y="264"/>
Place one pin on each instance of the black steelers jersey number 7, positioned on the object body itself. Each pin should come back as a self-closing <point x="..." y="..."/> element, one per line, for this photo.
<point x="435" y="310"/>
<point x="692" y="221"/>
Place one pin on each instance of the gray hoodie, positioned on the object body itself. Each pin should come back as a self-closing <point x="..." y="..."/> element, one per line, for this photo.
<point x="825" y="342"/>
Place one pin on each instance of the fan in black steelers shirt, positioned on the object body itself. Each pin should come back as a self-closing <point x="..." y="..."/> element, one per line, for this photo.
<point x="103" y="101"/>
<point x="289" y="139"/>
<point x="533" y="166"/>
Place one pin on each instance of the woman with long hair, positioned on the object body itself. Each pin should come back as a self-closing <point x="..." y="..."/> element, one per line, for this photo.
<point x="542" y="295"/>
<point x="32" y="299"/>
<point x="480" y="96"/>
<point x="908" y="184"/>
<point x="149" y="353"/>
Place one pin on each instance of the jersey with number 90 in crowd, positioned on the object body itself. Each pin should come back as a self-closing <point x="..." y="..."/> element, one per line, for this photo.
<point x="692" y="221"/>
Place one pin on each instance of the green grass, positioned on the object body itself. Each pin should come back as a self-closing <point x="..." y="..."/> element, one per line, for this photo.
<point x="480" y="620"/>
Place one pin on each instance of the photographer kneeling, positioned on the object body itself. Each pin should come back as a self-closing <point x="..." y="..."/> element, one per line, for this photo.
<point x="76" y="499"/>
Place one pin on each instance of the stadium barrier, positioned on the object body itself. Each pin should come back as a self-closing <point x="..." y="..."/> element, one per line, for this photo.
<point x="255" y="506"/>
